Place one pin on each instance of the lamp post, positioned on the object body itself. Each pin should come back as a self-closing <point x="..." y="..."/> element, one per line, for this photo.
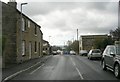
<point x="21" y="32"/>
<point x="49" y="38"/>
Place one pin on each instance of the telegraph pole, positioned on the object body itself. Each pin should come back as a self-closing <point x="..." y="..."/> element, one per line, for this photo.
<point x="77" y="34"/>
<point x="78" y="41"/>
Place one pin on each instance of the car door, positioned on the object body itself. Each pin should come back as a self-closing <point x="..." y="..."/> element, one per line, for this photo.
<point x="109" y="57"/>
<point x="89" y="54"/>
<point x="106" y="55"/>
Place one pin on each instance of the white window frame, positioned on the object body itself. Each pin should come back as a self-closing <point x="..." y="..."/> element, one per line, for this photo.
<point x="23" y="48"/>
<point x="23" y="24"/>
<point x="28" y="24"/>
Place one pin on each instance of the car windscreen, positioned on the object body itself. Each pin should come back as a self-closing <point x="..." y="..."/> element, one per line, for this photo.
<point x="96" y="51"/>
<point x="83" y="51"/>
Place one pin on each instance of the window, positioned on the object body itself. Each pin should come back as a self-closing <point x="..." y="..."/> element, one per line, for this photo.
<point x="23" y="48"/>
<point x="28" y="24"/>
<point x="106" y="50"/>
<point x="35" y="30"/>
<point x="96" y="51"/>
<point x="112" y="50"/>
<point x="23" y="24"/>
<point x="35" y="46"/>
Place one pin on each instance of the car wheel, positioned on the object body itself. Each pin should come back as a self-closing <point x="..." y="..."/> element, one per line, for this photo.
<point x="104" y="65"/>
<point x="117" y="71"/>
<point x="90" y="58"/>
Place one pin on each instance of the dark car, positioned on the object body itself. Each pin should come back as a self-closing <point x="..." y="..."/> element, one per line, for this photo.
<point x="83" y="52"/>
<point x="111" y="59"/>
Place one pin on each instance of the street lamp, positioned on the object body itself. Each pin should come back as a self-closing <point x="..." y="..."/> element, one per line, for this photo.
<point x="49" y="38"/>
<point x="21" y="11"/>
<point x="21" y="31"/>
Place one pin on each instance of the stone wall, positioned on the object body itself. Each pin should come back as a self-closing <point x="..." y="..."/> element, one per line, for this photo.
<point x="9" y="34"/>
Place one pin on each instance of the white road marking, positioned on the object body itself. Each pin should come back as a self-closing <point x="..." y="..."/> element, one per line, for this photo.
<point x="37" y="69"/>
<point x="12" y="75"/>
<point x="73" y="61"/>
<point x="79" y="73"/>
<point x="9" y="77"/>
<point x="15" y="74"/>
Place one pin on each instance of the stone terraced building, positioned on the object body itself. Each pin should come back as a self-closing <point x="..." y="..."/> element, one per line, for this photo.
<point x="22" y="41"/>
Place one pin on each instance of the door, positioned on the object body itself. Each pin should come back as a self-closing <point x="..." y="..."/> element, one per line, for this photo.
<point x="109" y="57"/>
<point x="30" y="50"/>
<point x="111" y="61"/>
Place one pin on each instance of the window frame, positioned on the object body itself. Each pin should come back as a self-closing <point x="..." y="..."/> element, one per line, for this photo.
<point x="28" y="23"/>
<point x="35" y="30"/>
<point x="23" y="24"/>
<point x="23" y="47"/>
<point x="35" y="46"/>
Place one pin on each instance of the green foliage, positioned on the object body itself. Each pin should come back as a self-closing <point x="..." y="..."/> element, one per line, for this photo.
<point x="55" y="48"/>
<point x="102" y="43"/>
<point x="116" y="33"/>
<point x="98" y="43"/>
<point x="74" y="46"/>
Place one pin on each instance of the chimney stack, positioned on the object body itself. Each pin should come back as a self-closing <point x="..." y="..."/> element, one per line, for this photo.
<point x="12" y="3"/>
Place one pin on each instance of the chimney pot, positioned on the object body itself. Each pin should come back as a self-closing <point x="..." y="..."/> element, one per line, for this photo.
<point x="12" y="3"/>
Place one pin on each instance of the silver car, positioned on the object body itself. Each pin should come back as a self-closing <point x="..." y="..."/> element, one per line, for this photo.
<point x="83" y="52"/>
<point x="94" y="53"/>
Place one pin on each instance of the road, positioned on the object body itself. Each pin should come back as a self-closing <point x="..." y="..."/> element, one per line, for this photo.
<point x="67" y="67"/>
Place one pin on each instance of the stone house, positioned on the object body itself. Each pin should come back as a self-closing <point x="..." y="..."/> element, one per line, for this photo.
<point x="86" y="42"/>
<point x="22" y="37"/>
<point x="46" y="47"/>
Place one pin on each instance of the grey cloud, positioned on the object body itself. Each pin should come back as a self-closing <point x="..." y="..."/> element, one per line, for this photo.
<point x="37" y="8"/>
<point x="88" y="17"/>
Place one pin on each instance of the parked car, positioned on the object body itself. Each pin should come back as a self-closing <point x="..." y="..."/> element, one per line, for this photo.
<point x="94" y="53"/>
<point x="111" y="59"/>
<point x="66" y="53"/>
<point x="72" y="52"/>
<point x="54" y="52"/>
<point x="83" y="52"/>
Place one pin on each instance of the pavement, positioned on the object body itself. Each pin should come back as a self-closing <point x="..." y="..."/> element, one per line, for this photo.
<point x="67" y="67"/>
<point x="8" y="73"/>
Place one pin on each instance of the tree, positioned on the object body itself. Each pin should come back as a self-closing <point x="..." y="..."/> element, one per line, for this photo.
<point x="73" y="46"/>
<point x="102" y="43"/>
<point x="55" y="48"/>
<point x="115" y="33"/>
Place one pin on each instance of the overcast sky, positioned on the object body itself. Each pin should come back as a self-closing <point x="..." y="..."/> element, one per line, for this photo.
<point x="60" y="20"/>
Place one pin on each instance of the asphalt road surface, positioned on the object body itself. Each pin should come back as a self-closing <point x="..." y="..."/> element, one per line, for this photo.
<point x="67" y="67"/>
